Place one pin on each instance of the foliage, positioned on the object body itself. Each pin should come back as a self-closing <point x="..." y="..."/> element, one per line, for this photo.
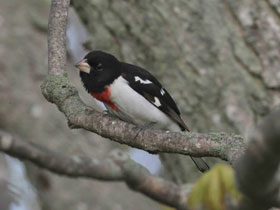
<point x="212" y="188"/>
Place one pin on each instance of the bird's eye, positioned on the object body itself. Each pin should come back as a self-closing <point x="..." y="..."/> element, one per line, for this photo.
<point x="99" y="67"/>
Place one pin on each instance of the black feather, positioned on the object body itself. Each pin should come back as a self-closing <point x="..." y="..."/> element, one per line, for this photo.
<point x="151" y="90"/>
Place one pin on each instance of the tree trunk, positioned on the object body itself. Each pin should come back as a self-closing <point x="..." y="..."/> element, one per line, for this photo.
<point x="219" y="59"/>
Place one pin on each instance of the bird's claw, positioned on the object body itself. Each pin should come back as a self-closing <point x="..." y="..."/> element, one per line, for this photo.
<point x="105" y="112"/>
<point x="143" y="127"/>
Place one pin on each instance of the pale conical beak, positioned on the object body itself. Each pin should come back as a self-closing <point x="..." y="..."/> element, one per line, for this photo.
<point x="83" y="66"/>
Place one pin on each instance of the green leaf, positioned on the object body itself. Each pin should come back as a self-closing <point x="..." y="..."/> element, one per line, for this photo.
<point x="211" y="189"/>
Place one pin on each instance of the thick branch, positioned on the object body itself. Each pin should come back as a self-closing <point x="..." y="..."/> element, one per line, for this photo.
<point x="117" y="167"/>
<point x="256" y="171"/>
<point x="58" y="90"/>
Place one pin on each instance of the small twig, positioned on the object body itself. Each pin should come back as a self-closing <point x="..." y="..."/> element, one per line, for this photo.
<point x="57" y="36"/>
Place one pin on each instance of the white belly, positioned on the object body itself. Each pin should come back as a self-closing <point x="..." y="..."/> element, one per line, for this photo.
<point x="136" y="109"/>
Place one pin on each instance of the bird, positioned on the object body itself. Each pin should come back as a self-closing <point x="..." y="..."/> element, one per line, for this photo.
<point x="131" y="94"/>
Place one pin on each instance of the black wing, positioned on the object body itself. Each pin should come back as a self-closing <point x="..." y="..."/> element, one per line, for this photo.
<point x="150" y="88"/>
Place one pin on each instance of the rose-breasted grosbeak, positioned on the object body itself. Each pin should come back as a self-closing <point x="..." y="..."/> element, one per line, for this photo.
<point x="131" y="94"/>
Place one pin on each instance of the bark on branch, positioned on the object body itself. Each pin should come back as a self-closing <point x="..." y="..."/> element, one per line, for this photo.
<point x="117" y="167"/>
<point x="58" y="90"/>
<point x="257" y="170"/>
<point x="57" y="36"/>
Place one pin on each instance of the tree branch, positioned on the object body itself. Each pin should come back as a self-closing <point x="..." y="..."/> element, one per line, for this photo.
<point x="57" y="90"/>
<point x="257" y="170"/>
<point x="117" y="167"/>
<point x="57" y="36"/>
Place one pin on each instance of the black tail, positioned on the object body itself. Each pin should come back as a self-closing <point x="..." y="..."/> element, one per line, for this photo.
<point x="200" y="164"/>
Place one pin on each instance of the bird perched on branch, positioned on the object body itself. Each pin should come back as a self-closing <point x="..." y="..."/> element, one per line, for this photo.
<point x="132" y="94"/>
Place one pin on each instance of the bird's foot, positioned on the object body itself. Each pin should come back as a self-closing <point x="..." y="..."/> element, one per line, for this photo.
<point x="143" y="127"/>
<point x="105" y="112"/>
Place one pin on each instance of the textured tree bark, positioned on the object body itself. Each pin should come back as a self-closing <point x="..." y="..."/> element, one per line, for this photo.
<point x="218" y="58"/>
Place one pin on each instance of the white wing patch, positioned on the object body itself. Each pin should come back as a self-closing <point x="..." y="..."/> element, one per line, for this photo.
<point x="142" y="81"/>
<point x="157" y="102"/>
<point x="162" y="92"/>
<point x="138" y="110"/>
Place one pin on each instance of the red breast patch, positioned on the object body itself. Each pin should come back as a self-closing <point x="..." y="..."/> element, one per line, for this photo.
<point x="105" y="98"/>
